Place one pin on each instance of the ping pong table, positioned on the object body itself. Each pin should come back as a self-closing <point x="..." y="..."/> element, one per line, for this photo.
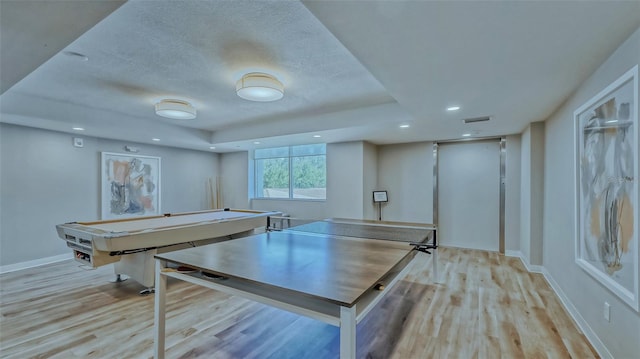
<point x="333" y="270"/>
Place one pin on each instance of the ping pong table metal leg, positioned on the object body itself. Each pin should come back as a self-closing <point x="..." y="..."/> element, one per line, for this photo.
<point x="434" y="259"/>
<point x="348" y="332"/>
<point x="434" y="262"/>
<point x="159" y="310"/>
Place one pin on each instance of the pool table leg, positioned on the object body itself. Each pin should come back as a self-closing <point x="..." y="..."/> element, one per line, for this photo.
<point x="147" y="291"/>
<point x="120" y="278"/>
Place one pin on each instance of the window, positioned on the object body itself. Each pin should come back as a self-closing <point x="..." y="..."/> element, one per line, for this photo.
<point x="298" y="172"/>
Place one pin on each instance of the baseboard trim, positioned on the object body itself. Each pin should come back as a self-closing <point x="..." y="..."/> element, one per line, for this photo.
<point x="530" y="268"/>
<point x="34" y="263"/>
<point x="580" y="322"/>
<point x="510" y="253"/>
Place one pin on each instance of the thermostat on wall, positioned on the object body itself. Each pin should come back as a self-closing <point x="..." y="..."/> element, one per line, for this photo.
<point x="78" y="142"/>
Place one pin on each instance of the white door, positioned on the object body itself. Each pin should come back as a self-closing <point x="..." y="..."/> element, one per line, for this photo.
<point x="469" y="194"/>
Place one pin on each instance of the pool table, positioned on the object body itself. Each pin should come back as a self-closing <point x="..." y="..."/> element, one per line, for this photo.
<point x="131" y="243"/>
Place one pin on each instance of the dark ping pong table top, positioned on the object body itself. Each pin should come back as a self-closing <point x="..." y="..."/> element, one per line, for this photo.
<point x="366" y="230"/>
<point x="328" y="267"/>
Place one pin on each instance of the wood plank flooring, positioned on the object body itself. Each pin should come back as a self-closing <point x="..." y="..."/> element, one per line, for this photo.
<point x="486" y="306"/>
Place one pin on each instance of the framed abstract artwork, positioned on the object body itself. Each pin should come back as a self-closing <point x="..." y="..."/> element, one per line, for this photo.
<point x="607" y="196"/>
<point x="130" y="185"/>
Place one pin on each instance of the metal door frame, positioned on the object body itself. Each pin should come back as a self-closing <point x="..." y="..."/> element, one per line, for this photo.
<point x="503" y="169"/>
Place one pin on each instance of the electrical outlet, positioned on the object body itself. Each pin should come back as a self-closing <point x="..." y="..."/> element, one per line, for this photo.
<point x="607" y="312"/>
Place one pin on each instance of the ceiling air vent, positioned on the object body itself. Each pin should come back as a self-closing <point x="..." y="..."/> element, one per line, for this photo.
<point x="476" y="119"/>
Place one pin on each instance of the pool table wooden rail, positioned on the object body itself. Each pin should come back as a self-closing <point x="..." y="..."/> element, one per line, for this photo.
<point x="160" y="231"/>
<point x="131" y="243"/>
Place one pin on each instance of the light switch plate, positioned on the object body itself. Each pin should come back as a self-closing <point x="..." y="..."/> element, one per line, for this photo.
<point x="78" y="142"/>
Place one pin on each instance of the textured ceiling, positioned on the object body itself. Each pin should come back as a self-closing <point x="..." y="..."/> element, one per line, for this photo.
<point x="352" y="70"/>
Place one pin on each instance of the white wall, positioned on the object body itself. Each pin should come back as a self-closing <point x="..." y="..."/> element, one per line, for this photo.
<point x="234" y="180"/>
<point x="236" y="168"/>
<point x="512" y="194"/>
<point x="295" y="208"/>
<point x="406" y="172"/>
<point x="621" y="335"/>
<point x="537" y="187"/>
<point x="370" y="180"/>
<point x="531" y="203"/>
<point x="354" y="171"/>
<point x="45" y="181"/>
<point x="525" y="195"/>
<point x="345" y="178"/>
<point x="351" y="179"/>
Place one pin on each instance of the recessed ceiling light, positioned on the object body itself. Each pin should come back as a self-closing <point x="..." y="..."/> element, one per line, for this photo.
<point x="317" y="136"/>
<point x="611" y="121"/>
<point x="78" y="129"/>
<point x="404" y="126"/>
<point x="155" y="139"/>
<point x="466" y="135"/>
<point x="175" y="109"/>
<point x="212" y="147"/>
<point x="453" y="108"/>
<point x="256" y="143"/>
<point x="261" y="87"/>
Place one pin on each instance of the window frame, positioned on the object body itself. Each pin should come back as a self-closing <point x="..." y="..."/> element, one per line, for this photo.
<point x="289" y="158"/>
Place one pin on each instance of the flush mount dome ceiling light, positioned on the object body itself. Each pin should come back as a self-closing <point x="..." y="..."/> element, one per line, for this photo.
<point x="257" y="86"/>
<point x="175" y="109"/>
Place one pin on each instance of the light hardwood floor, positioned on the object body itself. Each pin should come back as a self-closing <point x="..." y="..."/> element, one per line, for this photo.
<point x="486" y="306"/>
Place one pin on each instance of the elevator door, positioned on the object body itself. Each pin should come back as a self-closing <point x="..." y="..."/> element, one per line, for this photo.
<point x="469" y="194"/>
